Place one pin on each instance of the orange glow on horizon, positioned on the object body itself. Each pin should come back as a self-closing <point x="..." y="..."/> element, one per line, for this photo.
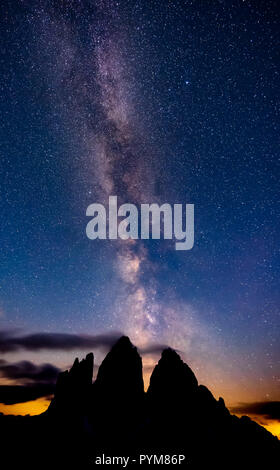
<point x="271" y="425"/>
<point x="37" y="407"/>
<point x="31" y="408"/>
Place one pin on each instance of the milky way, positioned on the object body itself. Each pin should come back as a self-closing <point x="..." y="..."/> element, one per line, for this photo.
<point x="116" y="158"/>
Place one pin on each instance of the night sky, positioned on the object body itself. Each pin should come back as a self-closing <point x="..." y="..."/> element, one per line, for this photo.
<point x="152" y="101"/>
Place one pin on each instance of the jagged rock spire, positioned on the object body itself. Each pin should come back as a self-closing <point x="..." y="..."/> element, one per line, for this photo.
<point x="175" y="416"/>
<point x="73" y="387"/>
<point x="170" y="374"/>
<point x="121" y="370"/>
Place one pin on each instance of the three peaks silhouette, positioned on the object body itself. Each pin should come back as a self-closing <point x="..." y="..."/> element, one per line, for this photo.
<point x="114" y="416"/>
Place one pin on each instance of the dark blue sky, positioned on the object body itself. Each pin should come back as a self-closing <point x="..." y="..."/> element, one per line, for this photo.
<point x="170" y="101"/>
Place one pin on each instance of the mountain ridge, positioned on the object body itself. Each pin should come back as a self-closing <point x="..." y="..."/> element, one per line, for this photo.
<point x="115" y="416"/>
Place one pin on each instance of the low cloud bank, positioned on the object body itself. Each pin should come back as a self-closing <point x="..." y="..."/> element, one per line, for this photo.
<point x="268" y="409"/>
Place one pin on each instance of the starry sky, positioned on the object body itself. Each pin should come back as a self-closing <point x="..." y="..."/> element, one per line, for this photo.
<point x="152" y="101"/>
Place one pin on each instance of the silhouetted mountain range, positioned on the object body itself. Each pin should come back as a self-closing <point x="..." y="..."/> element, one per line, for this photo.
<point x="115" y="417"/>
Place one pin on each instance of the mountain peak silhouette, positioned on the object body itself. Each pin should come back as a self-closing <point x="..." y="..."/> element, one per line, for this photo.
<point x="171" y="374"/>
<point x="73" y="387"/>
<point x="114" y="416"/>
<point x="119" y="391"/>
<point x="121" y="369"/>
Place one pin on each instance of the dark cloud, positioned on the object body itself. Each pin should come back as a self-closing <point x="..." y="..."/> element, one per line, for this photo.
<point x="268" y="409"/>
<point x="27" y="371"/>
<point x="10" y="342"/>
<point x="11" y="394"/>
<point x="32" y="381"/>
